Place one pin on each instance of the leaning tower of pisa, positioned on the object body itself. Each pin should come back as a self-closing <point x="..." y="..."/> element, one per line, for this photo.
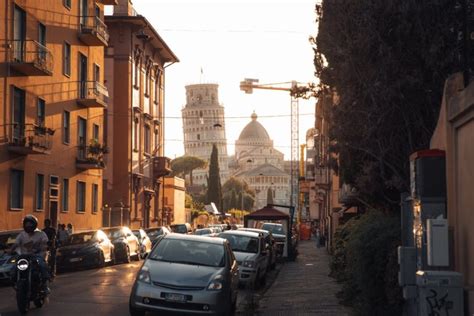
<point x="203" y="126"/>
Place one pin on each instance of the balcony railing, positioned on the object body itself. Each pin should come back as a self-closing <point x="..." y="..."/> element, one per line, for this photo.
<point x="91" y="157"/>
<point x="31" y="139"/>
<point x="30" y="58"/>
<point x="93" y="31"/>
<point x="92" y="94"/>
<point x="348" y="195"/>
<point x="108" y="2"/>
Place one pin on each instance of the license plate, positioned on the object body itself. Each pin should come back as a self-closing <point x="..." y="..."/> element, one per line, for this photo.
<point x="75" y="259"/>
<point x="175" y="297"/>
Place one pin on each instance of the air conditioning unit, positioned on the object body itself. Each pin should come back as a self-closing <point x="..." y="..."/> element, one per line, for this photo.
<point x="161" y="166"/>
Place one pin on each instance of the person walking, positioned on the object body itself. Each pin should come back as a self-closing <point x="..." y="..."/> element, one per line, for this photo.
<point x="51" y="233"/>
<point x="70" y="230"/>
<point x="318" y="238"/>
<point x="62" y="234"/>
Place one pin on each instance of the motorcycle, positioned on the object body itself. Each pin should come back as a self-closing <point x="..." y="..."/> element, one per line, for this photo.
<point x="28" y="283"/>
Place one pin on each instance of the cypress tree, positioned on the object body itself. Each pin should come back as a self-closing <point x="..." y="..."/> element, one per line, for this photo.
<point x="214" y="192"/>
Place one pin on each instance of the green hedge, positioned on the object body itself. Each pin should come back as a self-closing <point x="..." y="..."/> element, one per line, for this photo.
<point x="365" y="261"/>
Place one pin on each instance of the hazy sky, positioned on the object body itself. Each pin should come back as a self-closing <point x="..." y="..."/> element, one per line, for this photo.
<point x="232" y="40"/>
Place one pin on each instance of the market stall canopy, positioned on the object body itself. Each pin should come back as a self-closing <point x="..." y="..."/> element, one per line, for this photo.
<point x="267" y="213"/>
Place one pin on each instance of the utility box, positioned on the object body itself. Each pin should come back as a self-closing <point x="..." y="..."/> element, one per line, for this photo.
<point x="437" y="242"/>
<point x="407" y="262"/>
<point x="440" y="293"/>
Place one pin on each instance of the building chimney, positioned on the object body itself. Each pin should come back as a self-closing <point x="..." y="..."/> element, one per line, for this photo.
<point x="124" y="7"/>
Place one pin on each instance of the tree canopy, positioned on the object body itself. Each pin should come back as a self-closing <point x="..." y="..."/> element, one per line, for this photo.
<point x="237" y="195"/>
<point x="387" y="62"/>
<point x="185" y="165"/>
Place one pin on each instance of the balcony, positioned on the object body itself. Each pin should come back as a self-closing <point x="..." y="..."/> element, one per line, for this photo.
<point x="93" y="31"/>
<point x="348" y="195"/>
<point x="108" y="2"/>
<point x="31" y="140"/>
<point x="30" y="58"/>
<point x="92" y="156"/>
<point x="92" y="94"/>
<point x="161" y="166"/>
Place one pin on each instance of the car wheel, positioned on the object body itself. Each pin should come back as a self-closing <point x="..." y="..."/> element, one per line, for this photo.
<point x="101" y="260"/>
<point x="127" y="255"/>
<point x="135" y="311"/>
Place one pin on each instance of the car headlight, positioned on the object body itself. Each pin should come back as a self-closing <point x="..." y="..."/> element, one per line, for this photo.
<point x="22" y="264"/>
<point x="144" y="275"/>
<point x="248" y="264"/>
<point x="12" y="260"/>
<point x="216" y="283"/>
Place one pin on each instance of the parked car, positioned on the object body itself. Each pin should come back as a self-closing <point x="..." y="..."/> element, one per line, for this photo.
<point x="278" y="233"/>
<point x="249" y="249"/>
<point x="155" y="233"/>
<point x="187" y="274"/>
<point x="144" y="241"/>
<point x="126" y="244"/>
<point x="85" y="249"/>
<point x="270" y="245"/>
<point x="182" y="228"/>
<point x="205" y="232"/>
<point x="7" y="261"/>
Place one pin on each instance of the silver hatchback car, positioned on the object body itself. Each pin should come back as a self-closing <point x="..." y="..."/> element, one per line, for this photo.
<point x="187" y="274"/>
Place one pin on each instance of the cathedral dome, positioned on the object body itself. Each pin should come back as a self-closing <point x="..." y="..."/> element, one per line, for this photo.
<point x="254" y="130"/>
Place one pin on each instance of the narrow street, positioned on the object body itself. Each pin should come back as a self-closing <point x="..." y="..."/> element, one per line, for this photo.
<point x="303" y="287"/>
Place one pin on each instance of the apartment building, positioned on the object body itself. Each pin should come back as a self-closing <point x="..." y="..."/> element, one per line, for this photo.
<point x="136" y="60"/>
<point x="52" y="111"/>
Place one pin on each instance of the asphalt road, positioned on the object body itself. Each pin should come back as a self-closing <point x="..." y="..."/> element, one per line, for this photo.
<point x="100" y="292"/>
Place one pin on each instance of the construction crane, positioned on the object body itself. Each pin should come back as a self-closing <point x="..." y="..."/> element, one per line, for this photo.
<point x="294" y="88"/>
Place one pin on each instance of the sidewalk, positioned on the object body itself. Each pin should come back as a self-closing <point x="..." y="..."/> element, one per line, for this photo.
<point x="303" y="287"/>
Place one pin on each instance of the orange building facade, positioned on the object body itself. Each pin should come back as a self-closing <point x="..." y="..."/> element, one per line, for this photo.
<point x="135" y="72"/>
<point x="52" y="111"/>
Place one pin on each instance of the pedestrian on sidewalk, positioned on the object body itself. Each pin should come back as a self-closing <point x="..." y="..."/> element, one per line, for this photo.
<point x="51" y="233"/>
<point x="318" y="238"/>
<point x="62" y="234"/>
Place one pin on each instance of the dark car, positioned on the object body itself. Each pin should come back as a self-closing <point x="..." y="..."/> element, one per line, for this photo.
<point x="144" y="241"/>
<point x="155" y="233"/>
<point x="279" y="234"/>
<point x="187" y="274"/>
<point x="126" y="244"/>
<point x="85" y="249"/>
<point x="182" y="228"/>
<point x="7" y="261"/>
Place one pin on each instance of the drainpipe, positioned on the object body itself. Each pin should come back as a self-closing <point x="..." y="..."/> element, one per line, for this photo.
<point x="7" y="70"/>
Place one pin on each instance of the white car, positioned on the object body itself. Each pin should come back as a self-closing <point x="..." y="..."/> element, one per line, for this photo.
<point x="251" y="254"/>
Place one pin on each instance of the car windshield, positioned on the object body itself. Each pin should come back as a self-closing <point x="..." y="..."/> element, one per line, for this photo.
<point x="81" y="238"/>
<point x="181" y="229"/>
<point x="242" y="243"/>
<point x="189" y="252"/>
<point x="274" y="229"/>
<point x="205" y="231"/>
<point x="154" y="232"/>
<point x="114" y="233"/>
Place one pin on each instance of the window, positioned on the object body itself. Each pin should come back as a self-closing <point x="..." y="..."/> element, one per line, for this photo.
<point x="16" y="189"/>
<point x="147" y="82"/>
<point x="67" y="59"/>
<point x="19" y="34"/>
<point x="135" y="73"/>
<point x="67" y="4"/>
<point x="39" y="192"/>
<point x="147" y="139"/>
<point x="136" y="125"/>
<point x="157" y="139"/>
<point x="65" y="196"/>
<point x="18" y="115"/>
<point x="198" y="137"/>
<point x="81" y="196"/>
<point x="95" y="197"/>
<point x="96" y="73"/>
<point x="157" y="88"/>
<point x="40" y="113"/>
<point x="95" y="132"/>
<point x="66" y="127"/>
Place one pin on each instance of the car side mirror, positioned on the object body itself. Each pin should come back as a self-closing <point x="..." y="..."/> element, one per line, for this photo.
<point x="100" y="240"/>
